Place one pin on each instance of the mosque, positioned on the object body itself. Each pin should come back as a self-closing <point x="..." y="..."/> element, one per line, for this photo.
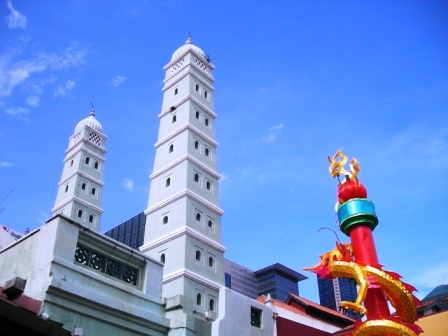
<point x="66" y="278"/>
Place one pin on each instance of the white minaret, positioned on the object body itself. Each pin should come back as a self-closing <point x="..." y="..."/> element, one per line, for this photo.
<point x="183" y="224"/>
<point x="81" y="186"/>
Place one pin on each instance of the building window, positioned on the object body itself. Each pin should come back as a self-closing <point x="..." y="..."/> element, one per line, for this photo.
<point x="210" y="223"/>
<point x="255" y="317"/>
<point x="165" y="220"/>
<point x="198" y="255"/>
<point x="87" y="160"/>
<point x="199" y="299"/>
<point x="196" y="144"/>
<point x="71" y="163"/>
<point x="207" y="152"/>
<point x="211" y="305"/>
<point x="205" y="94"/>
<point x="91" y="219"/>
<point x="196" y="177"/>
<point x="171" y="148"/>
<point x="206" y="122"/>
<point x="197" y="115"/>
<point x="66" y="188"/>
<point x="176" y="91"/>
<point x="209" y="185"/>
<point x="79" y="213"/>
<point x="167" y="182"/>
<point x="198" y="217"/>
<point x="83" y="186"/>
<point x="197" y="88"/>
<point x="95" y="138"/>
<point x="93" y="191"/>
<point x="96" y="165"/>
<point x="162" y="258"/>
<point x="211" y="262"/>
<point x="174" y="119"/>
<point x="228" y="280"/>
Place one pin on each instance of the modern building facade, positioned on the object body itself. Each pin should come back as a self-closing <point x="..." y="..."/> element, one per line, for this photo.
<point x="333" y="291"/>
<point x="241" y="279"/>
<point x="278" y="281"/>
<point x="131" y="232"/>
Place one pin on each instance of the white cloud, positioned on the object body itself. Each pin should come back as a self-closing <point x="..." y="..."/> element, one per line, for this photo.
<point x="244" y="171"/>
<point x="272" y="133"/>
<point x="15" y="19"/>
<point x="62" y="90"/>
<point x="17" y="111"/>
<point x="270" y="138"/>
<point x="261" y="177"/>
<point x="277" y="127"/>
<point x="33" y="100"/>
<point x="14" y="73"/>
<point x="128" y="184"/>
<point x="5" y="164"/>
<point x="224" y="177"/>
<point x="118" y="80"/>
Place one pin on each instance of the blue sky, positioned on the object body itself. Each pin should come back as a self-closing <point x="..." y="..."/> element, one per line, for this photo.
<point x="295" y="81"/>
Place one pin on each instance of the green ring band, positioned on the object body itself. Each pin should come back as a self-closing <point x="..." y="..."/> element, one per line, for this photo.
<point x="357" y="211"/>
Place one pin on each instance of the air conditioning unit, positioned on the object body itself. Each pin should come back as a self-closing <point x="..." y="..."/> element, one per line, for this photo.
<point x="210" y="316"/>
<point x="78" y="331"/>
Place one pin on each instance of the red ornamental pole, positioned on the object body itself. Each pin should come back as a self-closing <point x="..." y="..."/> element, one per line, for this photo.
<point x="357" y="219"/>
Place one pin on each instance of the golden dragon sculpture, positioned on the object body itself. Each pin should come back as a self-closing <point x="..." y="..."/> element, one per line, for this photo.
<point x="339" y="263"/>
<point x="337" y="164"/>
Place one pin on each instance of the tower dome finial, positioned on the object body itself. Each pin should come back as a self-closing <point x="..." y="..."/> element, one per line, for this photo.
<point x="92" y="111"/>
<point x="188" y="45"/>
<point x="90" y="121"/>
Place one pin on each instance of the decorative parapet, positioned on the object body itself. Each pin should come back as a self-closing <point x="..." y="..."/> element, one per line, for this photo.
<point x="112" y="259"/>
<point x="100" y="263"/>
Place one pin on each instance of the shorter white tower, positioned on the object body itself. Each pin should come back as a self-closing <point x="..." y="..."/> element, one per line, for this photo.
<point x="81" y="187"/>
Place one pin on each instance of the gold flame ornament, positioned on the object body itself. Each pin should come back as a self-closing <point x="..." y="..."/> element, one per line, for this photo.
<point x="337" y="168"/>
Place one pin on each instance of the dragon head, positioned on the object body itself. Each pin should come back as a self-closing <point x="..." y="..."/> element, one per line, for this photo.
<point x="342" y="251"/>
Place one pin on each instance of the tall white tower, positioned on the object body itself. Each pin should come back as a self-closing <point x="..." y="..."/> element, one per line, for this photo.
<point x="81" y="187"/>
<point x="183" y="225"/>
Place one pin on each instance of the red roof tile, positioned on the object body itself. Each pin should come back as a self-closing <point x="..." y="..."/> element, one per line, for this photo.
<point x="319" y="307"/>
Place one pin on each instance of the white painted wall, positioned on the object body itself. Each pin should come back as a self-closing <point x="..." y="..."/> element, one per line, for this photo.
<point x="234" y="316"/>
<point x="77" y="295"/>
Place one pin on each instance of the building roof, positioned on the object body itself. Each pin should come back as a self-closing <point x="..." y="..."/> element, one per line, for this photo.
<point x="310" y="304"/>
<point x="187" y="46"/>
<point x="438" y="292"/>
<point x="345" y="331"/>
<point x="282" y="269"/>
<point x="91" y="122"/>
<point x="18" y="316"/>
<point x="281" y="304"/>
<point x="435" y="301"/>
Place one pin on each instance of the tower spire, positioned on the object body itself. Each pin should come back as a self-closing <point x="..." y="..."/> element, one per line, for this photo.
<point x="81" y="186"/>
<point x="183" y="217"/>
